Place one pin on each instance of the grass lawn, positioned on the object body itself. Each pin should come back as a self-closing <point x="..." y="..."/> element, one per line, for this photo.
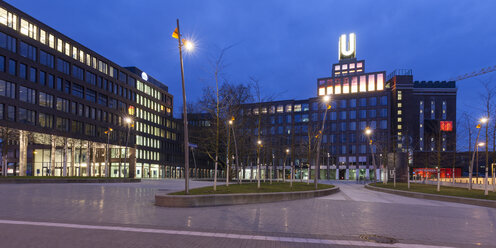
<point x="445" y="190"/>
<point x="252" y="188"/>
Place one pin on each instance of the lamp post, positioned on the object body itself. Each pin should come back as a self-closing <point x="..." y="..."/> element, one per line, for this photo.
<point x="368" y="132"/>
<point x="229" y="123"/>
<point x="107" y="153"/>
<point x="128" y="122"/>
<point x="471" y="167"/>
<point x="189" y="46"/>
<point x="438" y="182"/>
<point x="480" y="144"/>
<point x="235" y="148"/>
<point x="284" y="168"/>
<point x="326" y="100"/>
<point x="259" y="145"/>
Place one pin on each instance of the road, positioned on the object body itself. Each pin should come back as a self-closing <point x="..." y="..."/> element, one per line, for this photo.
<point x="123" y="215"/>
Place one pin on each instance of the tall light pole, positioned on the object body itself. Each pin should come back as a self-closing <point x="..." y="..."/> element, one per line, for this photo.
<point x="229" y="123"/>
<point x="128" y="122"/>
<point x="259" y="145"/>
<point x="326" y="100"/>
<point x="368" y="132"/>
<point x="487" y="159"/>
<point x="189" y="46"/>
<point x="107" y="153"/>
<point x="471" y="167"/>
<point x="235" y="149"/>
<point x="284" y="167"/>
<point x="477" y="159"/>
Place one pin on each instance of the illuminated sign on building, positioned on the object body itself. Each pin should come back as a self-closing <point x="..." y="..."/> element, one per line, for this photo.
<point x="446" y="126"/>
<point x="347" y="50"/>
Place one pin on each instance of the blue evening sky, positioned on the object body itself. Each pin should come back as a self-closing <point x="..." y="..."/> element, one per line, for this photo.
<point x="285" y="44"/>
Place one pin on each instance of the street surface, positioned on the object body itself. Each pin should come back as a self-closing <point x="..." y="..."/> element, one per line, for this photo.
<point x="123" y="215"/>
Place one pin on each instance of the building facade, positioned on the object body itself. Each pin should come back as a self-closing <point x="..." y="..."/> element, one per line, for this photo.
<point x="68" y="111"/>
<point x="405" y="118"/>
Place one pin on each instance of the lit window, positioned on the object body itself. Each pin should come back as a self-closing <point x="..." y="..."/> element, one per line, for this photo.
<point x="337" y="89"/>
<point x="399" y="119"/>
<point x="345" y="67"/>
<point x="280" y="109"/>
<point x="81" y="56"/>
<point x="67" y="49"/>
<point x="359" y="65"/>
<point x="74" y="53"/>
<point x="264" y="110"/>
<point x="336" y="68"/>
<point x="329" y="90"/>
<point x="380" y="81"/>
<point x="3" y="16"/>
<point x="88" y="60"/>
<point x="51" y="41"/>
<point x="322" y="91"/>
<point x="399" y="126"/>
<point x="352" y="66"/>
<point x="363" y="84"/>
<point x="42" y="36"/>
<point x="371" y="83"/>
<point x="24" y="27"/>
<point x="399" y="112"/>
<point x="346" y="86"/>
<point x="354" y="84"/>
<point x="399" y="105"/>
<point x="289" y="108"/>
<point x="60" y="45"/>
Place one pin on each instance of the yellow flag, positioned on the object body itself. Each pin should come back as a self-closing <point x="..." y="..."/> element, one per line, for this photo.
<point x="175" y="34"/>
<point x="478" y="126"/>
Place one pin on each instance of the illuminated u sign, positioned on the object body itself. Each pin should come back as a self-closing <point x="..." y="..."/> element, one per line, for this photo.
<point x="347" y="51"/>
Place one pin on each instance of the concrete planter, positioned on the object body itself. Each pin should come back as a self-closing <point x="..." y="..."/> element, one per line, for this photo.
<point x="463" y="200"/>
<point x="185" y="201"/>
<point x="69" y="180"/>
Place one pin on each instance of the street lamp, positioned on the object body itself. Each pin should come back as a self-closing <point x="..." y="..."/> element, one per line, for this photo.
<point x="230" y="122"/>
<point x="482" y="120"/>
<point x="368" y="133"/>
<point x="480" y="144"/>
<point x="107" y="153"/>
<point x="259" y="145"/>
<point x="326" y="99"/>
<point x="284" y="166"/>
<point x="128" y="122"/>
<point x="189" y="46"/>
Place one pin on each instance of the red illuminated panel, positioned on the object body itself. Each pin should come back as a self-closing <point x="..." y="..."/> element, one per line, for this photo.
<point x="446" y="126"/>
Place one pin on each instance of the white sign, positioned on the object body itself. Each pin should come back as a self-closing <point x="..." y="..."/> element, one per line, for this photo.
<point x="144" y="76"/>
<point x="347" y="50"/>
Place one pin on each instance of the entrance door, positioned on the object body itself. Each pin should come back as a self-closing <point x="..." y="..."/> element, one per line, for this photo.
<point x="342" y="174"/>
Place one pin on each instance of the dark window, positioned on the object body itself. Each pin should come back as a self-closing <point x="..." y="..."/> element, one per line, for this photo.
<point x="28" y="51"/>
<point x="122" y="77"/>
<point x="67" y="87"/>
<point x="2" y="63"/>
<point x="114" y="73"/>
<point x="7" y="89"/>
<point x="372" y="113"/>
<point x="90" y="95"/>
<point x="363" y="114"/>
<point x="90" y="78"/>
<point x="45" y="100"/>
<point x="1" y="111"/>
<point x="77" y="90"/>
<point x="32" y="74"/>
<point x="63" y="66"/>
<point x="62" y="105"/>
<point x="89" y="130"/>
<point x="45" y="120"/>
<point x="59" y="84"/>
<point x="112" y="103"/>
<point x="23" y="73"/>
<point x="27" y="95"/>
<point x="383" y="112"/>
<point x="8" y="42"/>
<point x="50" y="81"/>
<point x="131" y="81"/>
<point x="373" y="101"/>
<point x="27" y="116"/>
<point x="363" y="102"/>
<point x="77" y="127"/>
<point x="384" y="100"/>
<point x="12" y="67"/>
<point x="46" y="59"/>
<point x="62" y="124"/>
<point x="42" y="78"/>
<point x="11" y="113"/>
<point x="102" y="99"/>
<point x="77" y="72"/>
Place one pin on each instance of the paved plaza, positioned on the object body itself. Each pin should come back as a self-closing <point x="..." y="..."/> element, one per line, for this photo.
<point x="123" y="215"/>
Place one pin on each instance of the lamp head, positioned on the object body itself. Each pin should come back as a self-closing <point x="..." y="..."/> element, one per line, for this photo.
<point x="368" y="131"/>
<point x="127" y="120"/>
<point x="188" y="45"/>
<point x="483" y="120"/>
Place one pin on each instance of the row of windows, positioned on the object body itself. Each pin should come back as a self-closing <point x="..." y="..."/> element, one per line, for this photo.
<point x="346" y="85"/>
<point x="149" y="142"/>
<point x="148" y="155"/>
<point x="342" y="69"/>
<point x="60" y="84"/>
<point x="32" y="31"/>
<point x="345" y="103"/>
<point x="145" y="128"/>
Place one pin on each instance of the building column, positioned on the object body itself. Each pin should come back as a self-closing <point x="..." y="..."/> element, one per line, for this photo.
<point x="347" y="176"/>
<point x="367" y="175"/>
<point x="52" y="157"/>
<point x="93" y="158"/>
<point x="64" y="169"/>
<point x="132" y="162"/>
<point x="73" y="159"/>
<point x="357" y="173"/>
<point x="88" y="160"/>
<point x="337" y="173"/>
<point x="23" y="153"/>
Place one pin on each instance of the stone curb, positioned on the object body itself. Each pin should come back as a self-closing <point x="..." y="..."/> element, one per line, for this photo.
<point x="463" y="200"/>
<point x="188" y="201"/>
<point x="75" y="180"/>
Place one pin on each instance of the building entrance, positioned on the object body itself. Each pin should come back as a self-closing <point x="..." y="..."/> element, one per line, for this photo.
<point x="342" y="174"/>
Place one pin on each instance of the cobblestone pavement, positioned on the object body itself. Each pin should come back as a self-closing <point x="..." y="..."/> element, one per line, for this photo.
<point x="123" y="215"/>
